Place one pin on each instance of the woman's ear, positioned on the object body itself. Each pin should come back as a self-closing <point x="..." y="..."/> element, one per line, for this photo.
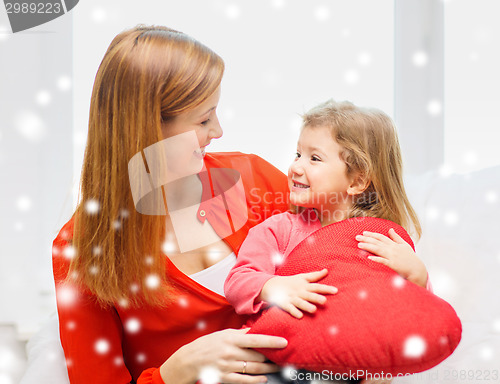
<point x="359" y="183"/>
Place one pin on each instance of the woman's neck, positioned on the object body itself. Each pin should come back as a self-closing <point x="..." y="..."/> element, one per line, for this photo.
<point x="183" y="193"/>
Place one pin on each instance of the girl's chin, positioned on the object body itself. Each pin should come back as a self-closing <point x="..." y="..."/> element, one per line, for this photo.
<point x="300" y="200"/>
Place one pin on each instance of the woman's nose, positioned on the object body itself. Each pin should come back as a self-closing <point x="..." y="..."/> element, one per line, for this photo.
<point x="215" y="129"/>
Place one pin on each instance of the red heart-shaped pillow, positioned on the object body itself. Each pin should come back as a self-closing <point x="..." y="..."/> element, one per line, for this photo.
<point x="377" y="322"/>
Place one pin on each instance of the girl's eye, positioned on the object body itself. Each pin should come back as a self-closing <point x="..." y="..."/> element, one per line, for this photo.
<point x="297" y="155"/>
<point x="315" y="158"/>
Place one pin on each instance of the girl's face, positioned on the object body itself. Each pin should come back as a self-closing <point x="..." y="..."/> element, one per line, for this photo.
<point x="318" y="176"/>
<point x="187" y="135"/>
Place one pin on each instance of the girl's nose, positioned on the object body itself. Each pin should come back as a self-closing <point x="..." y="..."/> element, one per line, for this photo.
<point x="296" y="167"/>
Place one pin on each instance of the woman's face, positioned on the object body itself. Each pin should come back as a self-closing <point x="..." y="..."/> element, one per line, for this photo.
<point x="187" y="135"/>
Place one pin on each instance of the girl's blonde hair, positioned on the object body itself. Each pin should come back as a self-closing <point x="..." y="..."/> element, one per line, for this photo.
<point x="148" y="75"/>
<point x="370" y="149"/>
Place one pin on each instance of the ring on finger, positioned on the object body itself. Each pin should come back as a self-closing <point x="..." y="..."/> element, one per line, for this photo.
<point x="244" y="367"/>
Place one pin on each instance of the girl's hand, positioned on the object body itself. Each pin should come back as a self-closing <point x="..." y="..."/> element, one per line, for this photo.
<point x="226" y="353"/>
<point x="395" y="253"/>
<point x="297" y="293"/>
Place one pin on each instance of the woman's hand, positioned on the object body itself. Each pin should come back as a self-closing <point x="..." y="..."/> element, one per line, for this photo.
<point x="227" y="354"/>
<point x="297" y="293"/>
<point x="395" y="253"/>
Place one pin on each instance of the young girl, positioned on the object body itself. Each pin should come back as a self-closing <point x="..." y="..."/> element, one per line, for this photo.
<point x="348" y="164"/>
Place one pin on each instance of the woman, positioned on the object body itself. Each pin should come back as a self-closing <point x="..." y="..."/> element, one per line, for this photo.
<point x="138" y="267"/>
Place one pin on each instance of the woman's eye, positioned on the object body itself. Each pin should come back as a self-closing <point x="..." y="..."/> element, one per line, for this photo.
<point x="205" y="122"/>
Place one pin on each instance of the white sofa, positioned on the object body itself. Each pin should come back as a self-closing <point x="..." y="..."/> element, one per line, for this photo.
<point x="459" y="247"/>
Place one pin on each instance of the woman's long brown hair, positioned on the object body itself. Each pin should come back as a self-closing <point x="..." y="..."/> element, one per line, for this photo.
<point x="147" y="76"/>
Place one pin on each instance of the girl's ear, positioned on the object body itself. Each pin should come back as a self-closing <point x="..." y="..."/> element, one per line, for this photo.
<point x="359" y="183"/>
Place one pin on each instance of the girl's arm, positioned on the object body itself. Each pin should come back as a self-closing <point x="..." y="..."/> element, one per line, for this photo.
<point x="252" y="283"/>
<point x="395" y="253"/>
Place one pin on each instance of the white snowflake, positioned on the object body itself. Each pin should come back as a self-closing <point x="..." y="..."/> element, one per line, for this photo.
<point x="432" y="213"/>
<point x="398" y="282"/>
<point x="322" y="13"/>
<point x="364" y="59"/>
<point x="99" y="15"/>
<point x="232" y="11"/>
<point x="288" y="371"/>
<point x="133" y="325"/>
<point x="277" y="259"/>
<point x="487" y="353"/>
<point x="445" y="171"/>
<point x="64" y="83"/>
<point x="5" y="33"/>
<point x="55" y="250"/>
<point x="94" y="270"/>
<point x="201" y="325"/>
<point x="496" y="325"/>
<point x="43" y="98"/>
<point x="118" y="360"/>
<point x="102" y="346"/>
<point x="30" y="125"/>
<point x="134" y="287"/>
<point x="295" y="124"/>
<point x="209" y="375"/>
<point x="491" y="197"/>
<point x="69" y="252"/>
<point x="363" y="294"/>
<point x="278" y="3"/>
<point x="451" y="218"/>
<point x="470" y="158"/>
<point x="141" y="358"/>
<point x="124" y="213"/>
<point x="333" y="330"/>
<point x="71" y="325"/>
<point x="149" y="260"/>
<point x="117" y="224"/>
<point x="4" y="377"/>
<point x="183" y="302"/>
<point x="434" y="107"/>
<point x="69" y="362"/>
<point x="168" y="247"/>
<point x="414" y="346"/>
<point x="51" y="356"/>
<point x="92" y="206"/>
<point x="66" y="296"/>
<point x="277" y="297"/>
<point x="351" y="76"/>
<point x="420" y="59"/>
<point x="24" y="203"/>
<point x="152" y="281"/>
<point x="123" y="303"/>
<point x="97" y="250"/>
<point x="346" y="32"/>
